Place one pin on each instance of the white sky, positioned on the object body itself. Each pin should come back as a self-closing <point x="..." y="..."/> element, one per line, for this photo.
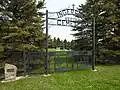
<point x="55" y="6"/>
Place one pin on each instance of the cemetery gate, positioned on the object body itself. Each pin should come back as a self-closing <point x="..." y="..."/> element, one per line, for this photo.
<point x="79" y="58"/>
<point x="69" y="60"/>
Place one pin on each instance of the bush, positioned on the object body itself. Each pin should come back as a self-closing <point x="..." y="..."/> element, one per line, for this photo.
<point x="109" y="57"/>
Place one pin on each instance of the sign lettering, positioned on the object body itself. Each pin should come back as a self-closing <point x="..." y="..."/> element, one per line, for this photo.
<point x="66" y="12"/>
<point x="68" y="21"/>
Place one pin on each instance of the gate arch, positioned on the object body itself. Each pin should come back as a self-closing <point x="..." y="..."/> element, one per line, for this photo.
<point x="69" y="22"/>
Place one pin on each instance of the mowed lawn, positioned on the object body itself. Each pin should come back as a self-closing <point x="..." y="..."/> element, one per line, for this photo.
<point x="106" y="78"/>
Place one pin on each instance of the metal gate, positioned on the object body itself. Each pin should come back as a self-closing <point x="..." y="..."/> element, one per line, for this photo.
<point x="70" y="60"/>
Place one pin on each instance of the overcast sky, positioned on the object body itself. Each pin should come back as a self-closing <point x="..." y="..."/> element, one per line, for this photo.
<point x="55" y="6"/>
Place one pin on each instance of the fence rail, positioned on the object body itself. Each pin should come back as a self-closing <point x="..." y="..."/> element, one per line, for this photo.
<point x="34" y="62"/>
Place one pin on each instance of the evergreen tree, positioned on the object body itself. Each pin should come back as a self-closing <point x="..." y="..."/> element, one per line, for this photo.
<point x="65" y="43"/>
<point x="54" y="42"/>
<point x="68" y="45"/>
<point x="58" y="42"/>
<point x="107" y="16"/>
<point x="83" y="28"/>
<point x="23" y="30"/>
<point x="111" y="39"/>
<point x="61" y="44"/>
<point x="72" y="45"/>
<point x="50" y="42"/>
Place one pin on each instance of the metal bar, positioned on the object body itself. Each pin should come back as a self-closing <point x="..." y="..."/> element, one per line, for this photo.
<point x="72" y="61"/>
<point x="61" y="10"/>
<point x="61" y="25"/>
<point x="53" y="18"/>
<point x="55" y="62"/>
<point x="94" y="46"/>
<point x="62" y="19"/>
<point x="52" y="12"/>
<point x="28" y="63"/>
<point x="67" y="59"/>
<point x="24" y="58"/>
<point x="47" y="57"/>
<point x="49" y="62"/>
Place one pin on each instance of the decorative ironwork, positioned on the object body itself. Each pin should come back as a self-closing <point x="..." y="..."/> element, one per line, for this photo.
<point x="68" y="21"/>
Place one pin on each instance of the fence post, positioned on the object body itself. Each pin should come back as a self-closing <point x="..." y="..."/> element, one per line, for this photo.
<point x="55" y="63"/>
<point x="49" y="63"/>
<point x="72" y="60"/>
<point x="24" y="58"/>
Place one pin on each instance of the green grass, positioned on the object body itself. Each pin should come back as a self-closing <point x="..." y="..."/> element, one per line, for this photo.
<point x="106" y="78"/>
<point x="51" y="49"/>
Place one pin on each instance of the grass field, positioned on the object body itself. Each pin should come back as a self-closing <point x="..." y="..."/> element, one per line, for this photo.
<point x="106" y="78"/>
<point x="51" y="50"/>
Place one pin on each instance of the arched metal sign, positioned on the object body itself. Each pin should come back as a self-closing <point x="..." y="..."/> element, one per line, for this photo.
<point x="65" y="17"/>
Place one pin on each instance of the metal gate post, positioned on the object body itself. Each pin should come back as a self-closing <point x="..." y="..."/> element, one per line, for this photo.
<point x="94" y="46"/>
<point x="47" y="57"/>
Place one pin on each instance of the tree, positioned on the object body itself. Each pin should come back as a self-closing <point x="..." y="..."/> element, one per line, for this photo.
<point x="111" y="41"/>
<point x="72" y="45"/>
<point x="58" y="42"/>
<point x="85" y="25"/>
<point x="83" y="28"/>
<point x="65" y="43"/>
<point x="23" y="30"/>
<point x="50" y="42"/>
<point x="54" y="42"/>
<point x="61" y="44"/>
<point x="107" y="15"/>
<point x="68" y="45"/>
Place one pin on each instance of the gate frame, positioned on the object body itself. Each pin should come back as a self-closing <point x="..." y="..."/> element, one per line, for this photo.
<point x="93" y="44"/>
